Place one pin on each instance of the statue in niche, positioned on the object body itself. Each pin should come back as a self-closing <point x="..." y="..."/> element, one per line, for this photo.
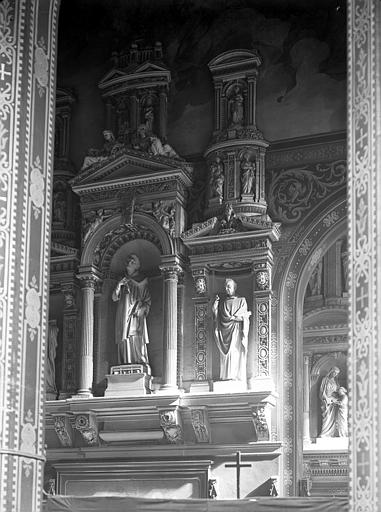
<point x="110" y="147"/>
<point x="316" y="279"/>
<point x="231" y="329"/>
<point x="217" y="178"/>
<point x="247" y="174"/>
<point x="236" y="107"/>
<point x="50" y="369"/>
<point x="59" y="207"/>
<point x="149" y="118"/>
<point x="134" y="303"/>
<point x="334" y="406"/>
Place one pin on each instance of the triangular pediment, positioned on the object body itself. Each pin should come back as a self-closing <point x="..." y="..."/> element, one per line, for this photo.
<point x="112" y="75"/>
<point x="131" y="166"/>
<point x="148" y="67"/>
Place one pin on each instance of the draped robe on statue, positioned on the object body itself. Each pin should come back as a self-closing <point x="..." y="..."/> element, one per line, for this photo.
<point x="231" y="337"/>
<point x="131" y="333"/>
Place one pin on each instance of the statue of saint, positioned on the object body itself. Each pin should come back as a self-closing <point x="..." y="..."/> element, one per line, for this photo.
<point x="315" y="280"/>
<point x="134" y="302"/>
<point x="217" y="178"/>
<point x="59" y="207"/>
<point x="247" y="174"/>
<point x="51" y="350"/>
<point x="231" y="329"/>
<point x="334" y="406"/>
<point x="110" y="147"/>
<point x="236" y="107"/>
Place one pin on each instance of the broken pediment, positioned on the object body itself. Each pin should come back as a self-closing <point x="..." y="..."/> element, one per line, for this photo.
<point x="58" y="250"/>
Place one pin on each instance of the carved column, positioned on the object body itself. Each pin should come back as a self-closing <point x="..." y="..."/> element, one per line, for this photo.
<point x="306" y="397"/>
<point x="201" y="348"/>
<point x="27" y="99"/>
<point x="133" y="112"/>
<point x="162" y="113"/>
<point x="97" y="329"/>
<point x="180" y="329"/>
<point x="262" y="319"/>
<point x="217" y="106"/>
<point x="170" y="276"/>
<point x="69" y="342"/>
<point x="251" y="103"/>
<point x="364" y="197"/>
<point x="88" y="282"/>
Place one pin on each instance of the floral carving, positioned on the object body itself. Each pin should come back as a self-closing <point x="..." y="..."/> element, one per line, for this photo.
<point x="33" y="307"/>
<point x="37" y="186"/>
<point x="294" y="191"/>
<point x="41" y="67"/>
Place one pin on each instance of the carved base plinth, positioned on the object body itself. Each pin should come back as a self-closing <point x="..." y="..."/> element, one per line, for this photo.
<point x="229" y="386"/>
<point x="134" y="383"/>
<point x="200" y="386"/>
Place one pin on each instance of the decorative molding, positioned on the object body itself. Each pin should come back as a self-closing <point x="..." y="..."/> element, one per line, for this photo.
<point x="260" y="422"/>
<point x="201" y="340"/>
<point x="86" y="424"/>
<point x="200" y="424"/>
<point x="63" y="429"/>
<point x="171" y="423"/>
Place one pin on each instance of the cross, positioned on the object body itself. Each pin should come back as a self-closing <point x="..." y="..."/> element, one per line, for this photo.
<point x="363" y="297"/>
<point x="238" y="466"/>
<point x="3" y="72"/>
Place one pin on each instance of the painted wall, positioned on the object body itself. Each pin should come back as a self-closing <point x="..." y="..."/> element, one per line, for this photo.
<point x="301" y="89"/>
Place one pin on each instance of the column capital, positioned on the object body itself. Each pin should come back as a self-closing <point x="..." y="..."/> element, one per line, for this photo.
<point x="88" y="277"/>
<point x="171" y="272"/>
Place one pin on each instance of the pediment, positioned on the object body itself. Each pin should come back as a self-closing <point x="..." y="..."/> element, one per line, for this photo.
<point x="112" y="75"/>
<point x="129" y="166"/>
<point x="235" y="57"/>
<point x="149" y="67"/>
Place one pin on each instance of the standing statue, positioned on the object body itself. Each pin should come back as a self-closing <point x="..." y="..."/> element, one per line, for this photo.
<point x="51" y="350"/>
<point x="236" y="107"/>
<point x="247" y="174"/>
<point x="345" y="265"/>
<point x="59" y="207"/>
<point x="149" y="118"/>
<point x="217" y="178"/>
<point x="231" y="329"/>
<point x="134" y="299"/>
<point x="334" y="406"/>
<point x="315" y="280"/>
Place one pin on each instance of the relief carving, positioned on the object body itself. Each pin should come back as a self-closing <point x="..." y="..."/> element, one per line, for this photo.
<point x="170" y="422"/>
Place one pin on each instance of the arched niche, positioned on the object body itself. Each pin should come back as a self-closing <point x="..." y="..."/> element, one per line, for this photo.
<point x="291" y="275"/>
<point x="107" y="250"/>
<point x="322" y="364"/>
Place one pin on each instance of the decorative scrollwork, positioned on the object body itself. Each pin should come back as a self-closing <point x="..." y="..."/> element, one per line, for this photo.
<point x="294" y="191"/>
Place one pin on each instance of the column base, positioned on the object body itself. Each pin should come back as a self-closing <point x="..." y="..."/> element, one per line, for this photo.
<point x="83" y="394"/>
<point x="167" y="389"/>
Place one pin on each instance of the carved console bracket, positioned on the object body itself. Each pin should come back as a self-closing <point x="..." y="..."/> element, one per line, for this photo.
<point x="200" y="424"/>
<point x="171" y="423"/>
<point x="86" y="424"/>
<point x="261" y="421"/>
<point x="63" y="429"/>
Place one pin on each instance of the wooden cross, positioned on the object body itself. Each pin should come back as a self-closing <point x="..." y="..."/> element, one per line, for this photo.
<point x="238" y="466"/>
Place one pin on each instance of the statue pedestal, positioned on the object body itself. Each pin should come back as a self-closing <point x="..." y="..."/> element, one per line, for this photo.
<point x="128" y="380"/>
<point x="229" y="386"/>
<point x="247" y="198"/>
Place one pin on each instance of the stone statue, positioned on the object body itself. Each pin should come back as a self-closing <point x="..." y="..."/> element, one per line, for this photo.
<point x="236" y="107"/>
<point x="247" y="174"/>
<point x="231" y="329"/>
<point x="134" y="302"/>
<point x="316" y="279"/>
<point x="157" y="148"/>
<point x="149" y="118"/>
<point x="217" y="178"/>
<point x="165" y="216"/>
<point x="141" y="140"/>
<point x="59" y="207"/>
<point x="110" y="147"/>
<point x="51" y="350"/>
<point x="334" y="406"/>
